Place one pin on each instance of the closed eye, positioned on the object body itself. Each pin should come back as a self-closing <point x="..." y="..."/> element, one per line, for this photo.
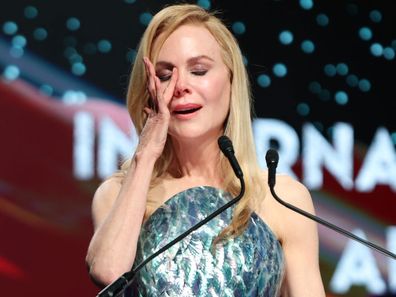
<point x="200" y="72"/>
<point x="164" y="77"/>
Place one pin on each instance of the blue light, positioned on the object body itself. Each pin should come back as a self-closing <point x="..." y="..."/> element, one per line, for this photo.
<point x="341" y="97"/>
<point x="75" y="58"/>
<point x="280" y="70"/>
<point x="393" y="136"/>
<point x="238" y="28"/>
<point x="307" y="46"/>
<point x="389" y="53"/>
<point x="393" y="44"/>
<point x="40" y="34"/>
<point x="71" y="97"/>
<point x="131" y="55"/>
<point x="104" y="46"/>
<point x="69" y="51"/>
<point x="303" y="109"/>
<point x="322" y="19"/>
<point x="245" y="60"/>
<point x="306" y="4"/>
<point x="330" y="70"/>
<point x="10" y="28"/>
<point x="11" y="72"/>
<point x="73" y="24"/>
<point x="286" y="37"/>
<point x="264" y="80"/>
<point x="19" y="41"/>
<point x="342" y="69"/>
<point x="365" y="33"/>
<point x="30" y="12"/>
<point x="130" y="1"/>
<point x="47" y="90"/>
<point x="376" y="49"/>
<point x="78" y="68"/>
<point x="205" y="4"/>
<point x="375" y="16"/>
<point x="145" y="18"/>
<point x="314" y="87"/>
<point x="17" y="51"/>
<point x="352" y="80"/>
<point x="364" y="85"/>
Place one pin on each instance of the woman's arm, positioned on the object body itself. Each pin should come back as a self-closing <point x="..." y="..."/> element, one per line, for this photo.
<point x="117" y="213"/>
<point x="118" y="208"/>
<point x="300" y="242"/>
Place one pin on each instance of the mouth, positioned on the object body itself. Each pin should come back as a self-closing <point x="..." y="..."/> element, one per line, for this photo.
<point x="187" y="111"/>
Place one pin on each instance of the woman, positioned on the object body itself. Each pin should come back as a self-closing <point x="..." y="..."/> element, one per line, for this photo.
<point x="188" y="87"/>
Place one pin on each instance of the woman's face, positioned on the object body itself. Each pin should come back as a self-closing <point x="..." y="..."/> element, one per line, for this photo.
<point x="201" y="98"/>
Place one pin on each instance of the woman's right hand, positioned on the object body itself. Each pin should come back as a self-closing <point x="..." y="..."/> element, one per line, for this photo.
<point x="154" y="134"/>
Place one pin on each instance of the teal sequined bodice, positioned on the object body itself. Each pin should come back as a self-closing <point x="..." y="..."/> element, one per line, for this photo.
<point x="251" y="264"/>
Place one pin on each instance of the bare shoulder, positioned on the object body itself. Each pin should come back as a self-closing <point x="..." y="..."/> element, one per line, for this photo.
<point x="104" y="198"/>
<point x="289" y="190"/>
<point x="293" y="192"/>
<point x="280" y="218"/>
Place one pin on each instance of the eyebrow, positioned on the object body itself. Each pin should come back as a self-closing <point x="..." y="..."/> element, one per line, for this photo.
<point x="190" y="61"/>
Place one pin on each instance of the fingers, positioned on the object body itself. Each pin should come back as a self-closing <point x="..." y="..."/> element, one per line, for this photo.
<point x="170" y="88"/>
<point x="150" y="112"/>
<point x="161" y="93"/>
<point x="160" y="100"/>
<point x="151" y="85"/>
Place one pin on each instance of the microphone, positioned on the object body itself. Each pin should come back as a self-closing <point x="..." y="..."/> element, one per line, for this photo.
<point x="226" y="147"/>
<point x="117" y="287"/>
<point x="272" y="159"/>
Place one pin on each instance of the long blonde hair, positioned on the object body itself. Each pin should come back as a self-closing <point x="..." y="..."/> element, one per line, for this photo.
<point x="238" y="126"/>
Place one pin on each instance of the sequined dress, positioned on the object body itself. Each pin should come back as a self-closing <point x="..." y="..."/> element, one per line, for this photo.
<point x="251" y="264"/>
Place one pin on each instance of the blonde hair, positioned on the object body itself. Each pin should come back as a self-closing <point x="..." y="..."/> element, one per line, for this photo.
<point x="238" y="125"/>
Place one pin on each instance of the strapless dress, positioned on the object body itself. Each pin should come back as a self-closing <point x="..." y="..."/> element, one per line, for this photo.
<point x="251" y="264"/>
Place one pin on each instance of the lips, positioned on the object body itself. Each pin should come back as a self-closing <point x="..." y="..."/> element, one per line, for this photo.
<point x="186" y="108"/>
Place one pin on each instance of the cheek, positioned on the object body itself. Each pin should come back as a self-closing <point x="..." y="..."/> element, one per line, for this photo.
<point x="215" y="91"/>
<point x="223" y="96"/>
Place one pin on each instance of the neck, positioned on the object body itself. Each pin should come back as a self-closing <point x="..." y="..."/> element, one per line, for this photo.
<point x="197" y="158"/>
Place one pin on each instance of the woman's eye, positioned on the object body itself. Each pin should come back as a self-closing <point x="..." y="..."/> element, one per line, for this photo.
<point x="199" y="72"/>
<point x="164" y="77"/>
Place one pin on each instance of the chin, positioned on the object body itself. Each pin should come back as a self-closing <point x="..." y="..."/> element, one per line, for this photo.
<point x="195" y="134"/>
<point x="188" y="135"/>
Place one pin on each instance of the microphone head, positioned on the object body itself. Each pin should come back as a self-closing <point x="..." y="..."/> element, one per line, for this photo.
<point x="225" y="145"/>
<point x="272" y="158"/>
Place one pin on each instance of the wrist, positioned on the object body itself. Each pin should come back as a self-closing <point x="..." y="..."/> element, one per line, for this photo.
<point x="142" y="157"/>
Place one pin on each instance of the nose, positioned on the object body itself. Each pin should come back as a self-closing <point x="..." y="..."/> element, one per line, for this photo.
<point x="182" y="86"/>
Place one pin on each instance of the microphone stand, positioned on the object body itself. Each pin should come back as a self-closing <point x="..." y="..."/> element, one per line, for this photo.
<point x="118" y="286"/>
<point x="271" y="164"/>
